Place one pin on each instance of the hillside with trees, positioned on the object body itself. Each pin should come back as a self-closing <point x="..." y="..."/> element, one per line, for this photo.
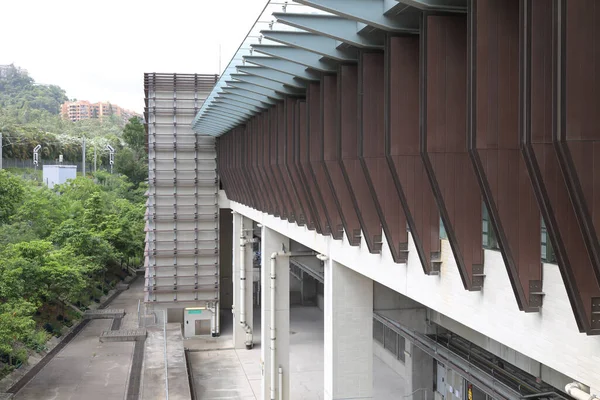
<point x="30" y="115"/>
<point x="62" y="249"/>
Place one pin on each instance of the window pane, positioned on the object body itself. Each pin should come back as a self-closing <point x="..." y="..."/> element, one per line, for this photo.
<point x="378" y="331"/>
<point x="548" y="254"/>
<point x="489" y="236"/>
<point x="390" y="340"/>
<point x="443" y="234"/>
<point x="401" y="347"/>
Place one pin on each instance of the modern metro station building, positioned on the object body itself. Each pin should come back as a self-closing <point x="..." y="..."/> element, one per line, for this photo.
<point x="424" y="170"/>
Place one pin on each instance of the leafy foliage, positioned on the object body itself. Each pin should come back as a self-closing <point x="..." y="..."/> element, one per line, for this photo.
<point x="11" y="194"/>
<point x="57" y="247"/>
<point x="19" y="89"/>
<point x="133" y="160"/>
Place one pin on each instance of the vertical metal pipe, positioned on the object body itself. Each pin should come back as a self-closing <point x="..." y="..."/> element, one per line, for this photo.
<point x="272" y="323"/>
<point x="242" y="276"/>
<point x="218" y="318"/>
<point x="243" y="242"/>
<point x="280" y="383"/>
<point x="213" y="321"/>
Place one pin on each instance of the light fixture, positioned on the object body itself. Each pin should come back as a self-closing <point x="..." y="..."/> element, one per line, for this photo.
<point x="322" y="257"/>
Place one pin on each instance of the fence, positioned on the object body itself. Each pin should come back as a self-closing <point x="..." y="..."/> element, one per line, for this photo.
<point x="28" y="164"/>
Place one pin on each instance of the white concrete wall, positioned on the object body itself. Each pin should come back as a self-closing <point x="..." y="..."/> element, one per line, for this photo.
<point x="58" y="174"/>
<point x="550" y="336"/>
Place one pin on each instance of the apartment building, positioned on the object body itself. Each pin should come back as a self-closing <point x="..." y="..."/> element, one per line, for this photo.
<point x="82" y="109"/>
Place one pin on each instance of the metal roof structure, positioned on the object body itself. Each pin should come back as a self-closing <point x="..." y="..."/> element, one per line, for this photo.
<point x="293" y="42"/>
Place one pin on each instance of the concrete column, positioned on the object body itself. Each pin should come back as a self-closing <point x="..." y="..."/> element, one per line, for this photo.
<point x="348" y="333"/>
<point x="239" y="335"/>
<point x="271" y="242"/>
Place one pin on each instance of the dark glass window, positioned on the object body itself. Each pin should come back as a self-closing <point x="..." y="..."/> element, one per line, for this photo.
<point x="490" y="240"/>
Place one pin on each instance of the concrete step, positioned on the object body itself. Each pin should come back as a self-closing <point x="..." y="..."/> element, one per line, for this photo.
<point x="125" y="335"/>
<point x="106" y="313"/>
<point x="122" y="286"/>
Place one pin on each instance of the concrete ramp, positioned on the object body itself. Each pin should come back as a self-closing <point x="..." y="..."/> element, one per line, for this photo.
<point x="155" y="373"/>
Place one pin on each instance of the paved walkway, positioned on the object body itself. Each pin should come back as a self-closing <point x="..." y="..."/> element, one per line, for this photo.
<point x="85" y="368"/>
<point x="225" y="373"/>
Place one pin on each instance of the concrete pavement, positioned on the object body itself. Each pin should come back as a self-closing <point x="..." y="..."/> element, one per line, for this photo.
<point x="85" y="368"/>
<point x="222" y="372"/>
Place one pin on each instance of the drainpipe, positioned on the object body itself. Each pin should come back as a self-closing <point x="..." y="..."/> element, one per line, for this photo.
<point x="273" y="351"/>
<point x="579" y="392"/>
<point x="281" y="383"/>
<point x="218" y="318"/>
<point x="213" y="319"/>
<point x="249" y="341"/>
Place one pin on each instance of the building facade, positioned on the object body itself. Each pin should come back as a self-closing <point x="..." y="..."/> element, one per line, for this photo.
<point x="182" y="230"/>
<point x="435" y="162"/>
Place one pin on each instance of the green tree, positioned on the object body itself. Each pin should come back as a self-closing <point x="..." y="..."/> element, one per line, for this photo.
<point x="132" y="161"/>
<point x="11" y="195"/>
<point x="129" y="164"/>
<point x="59" y="246"/>
<point x="134" y="135"/>
<point x="42" y="211"/>
<point x="16" y="325"/>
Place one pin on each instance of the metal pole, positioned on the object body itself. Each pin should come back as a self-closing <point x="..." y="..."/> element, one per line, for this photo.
<point x="83" y="148"/>
<point x="95" y="159"/>
<point x="0" y="150"/>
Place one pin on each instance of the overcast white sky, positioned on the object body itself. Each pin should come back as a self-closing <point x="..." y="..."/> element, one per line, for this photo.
<point x="99" y="50"/>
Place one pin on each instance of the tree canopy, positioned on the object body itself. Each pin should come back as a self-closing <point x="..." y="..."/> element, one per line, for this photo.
<point x="59" y="246"/>
<point x="18" y="89"/>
